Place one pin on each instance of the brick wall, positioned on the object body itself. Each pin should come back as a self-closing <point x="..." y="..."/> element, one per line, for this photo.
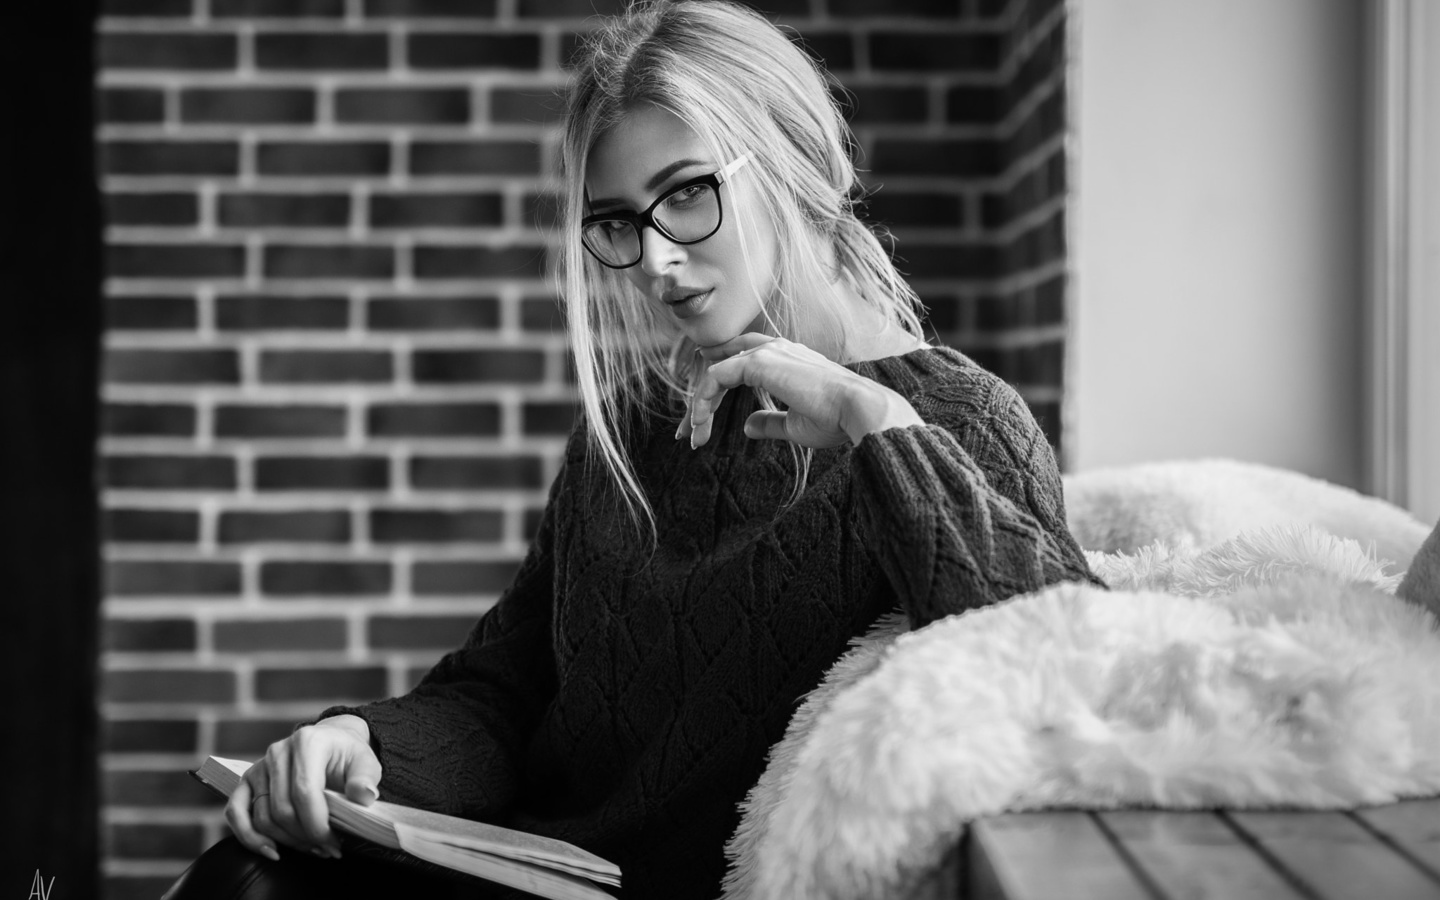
<point x="334" y="379"/>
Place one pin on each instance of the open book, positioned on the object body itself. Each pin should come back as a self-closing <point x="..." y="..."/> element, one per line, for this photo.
<point x="540" y="865"/>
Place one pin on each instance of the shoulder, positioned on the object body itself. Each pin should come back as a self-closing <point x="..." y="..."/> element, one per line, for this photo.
<point x="949" y="389"/>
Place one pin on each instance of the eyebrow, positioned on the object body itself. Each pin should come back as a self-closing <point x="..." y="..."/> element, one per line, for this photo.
<point x="655" y="181"/>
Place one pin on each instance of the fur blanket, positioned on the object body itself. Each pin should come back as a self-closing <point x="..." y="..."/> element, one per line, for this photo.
<point x="1275" y="667"/>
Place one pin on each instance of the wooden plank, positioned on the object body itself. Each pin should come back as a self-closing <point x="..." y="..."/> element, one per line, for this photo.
<point x="1194" y="855"/>
<point x="1414" y="825"/>
<point x="1334" y="856"/>
<point x="1045" y="855"/>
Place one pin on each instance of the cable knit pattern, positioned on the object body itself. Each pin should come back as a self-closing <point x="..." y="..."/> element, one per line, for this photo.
<point x="625" y="701"/>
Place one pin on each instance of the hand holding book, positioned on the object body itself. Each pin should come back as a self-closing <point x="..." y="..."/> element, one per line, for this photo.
<point x="539" y="865"/>
<point x="281" y="799"/>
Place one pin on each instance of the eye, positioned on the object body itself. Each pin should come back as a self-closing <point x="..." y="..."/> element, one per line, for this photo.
<point x="687" y="196"/>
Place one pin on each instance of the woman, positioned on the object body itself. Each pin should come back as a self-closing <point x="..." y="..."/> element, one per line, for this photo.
<point x="770" y="458"/>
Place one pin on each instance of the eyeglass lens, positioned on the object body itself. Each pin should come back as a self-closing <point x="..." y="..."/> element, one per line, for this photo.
<point x="688" y="215"/>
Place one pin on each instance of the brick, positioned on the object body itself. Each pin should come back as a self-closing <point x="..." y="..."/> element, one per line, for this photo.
<point x="323" y="158"/>
<point x="526" y="106"/>
<point x="404" y="526"/>
<point x="149" y="735"/>
<point x="271" y="635"/>
<point x="975" y="105"/>
<point x="152" y="313"/>
<point x="292" y="421"/>
<point x="328" y="51"/>
<point x="835" y="50"/>
<point x="275" y="685"/>
<point x="170" y="157"/>
<point x="253" y="210"/>
<point x="326" y="367"/>
<point x="147" y="635"/>
<point x="339" y="579"/>
<point x="175" y="260"/>
<point x="442" y="50"/>
<point x="433" y="314"/>
<point x="171" y="367"/>
<point x="949" y="260"/>
<point x="430" y="210"/>
<point x="1050" y="301"/>
<point x="540" y="211"/>
<point x="141" y="840"/>
<point x="146" y="8"/>
<point x="307" y="526"/>
<point x="129" y="578"/>
<point x="131" y="105"/>
<point x="168" y="51"/>
<point x="548" y="418"/>
<point x="960" y="157"/>
<point x="883" y="104"/>
<point x="475" y="472"/>
<point x="328" y="261"/>
<point x="533" y="518"/>
<point x="423" y="9"/>
<point x="496" y="157"/>
<point x="541" y="314"/>
<point x="940" y="52"/>
<point x="152" y="473"/>
<point x="151" y="526"/>
<point x="895" y="8"/>
<point x="455" y="366"/>
<point x="569" y="9"/>
<point x="248" y="106"/>
<point x="418" y="632"/>
<point x="320" y="473"/>
<point x="167" y="686"/>
<point x="403" y="106"/>
<point x="930" y="209"/>
<point x="152" y="208"/>
<point x="170" y="786"/>
<point x="449" y="262"/>
<point x="281" y="312"/>
<point x="249" y="737"/>
<point x="277" y="9"/>
<point x="147" y="420"/>
<point x="433" y="420"/>
<point x="454" y="578"/>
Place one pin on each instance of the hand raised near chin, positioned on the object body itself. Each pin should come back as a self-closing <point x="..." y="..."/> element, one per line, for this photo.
<point x="826" y="404"/>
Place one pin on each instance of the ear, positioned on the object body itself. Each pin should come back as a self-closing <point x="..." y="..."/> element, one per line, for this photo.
<point x="1422" y="583"/>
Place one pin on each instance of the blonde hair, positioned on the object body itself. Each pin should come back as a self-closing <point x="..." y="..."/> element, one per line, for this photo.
<point x="742" y="87"/>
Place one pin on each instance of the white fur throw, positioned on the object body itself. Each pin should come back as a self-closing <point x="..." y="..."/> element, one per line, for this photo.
<point x="1276" y="668"/>
<point x="1207" y="501"/>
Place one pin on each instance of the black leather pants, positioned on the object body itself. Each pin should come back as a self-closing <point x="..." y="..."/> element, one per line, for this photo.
<point x="227" y="871"/>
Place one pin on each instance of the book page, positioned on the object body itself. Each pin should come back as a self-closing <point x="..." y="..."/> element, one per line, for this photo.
<point x="509" y="872"/>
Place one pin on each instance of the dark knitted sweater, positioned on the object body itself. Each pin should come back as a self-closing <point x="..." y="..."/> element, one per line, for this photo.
<point x="625" y="701"/>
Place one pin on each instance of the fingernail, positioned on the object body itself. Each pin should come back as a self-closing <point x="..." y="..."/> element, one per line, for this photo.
<point x="369" y="794"/>
<point x="678" y="430"/>
<point x="334" y="852"/>
<point x="320" y="852"/>
<point x="270" y="853"/>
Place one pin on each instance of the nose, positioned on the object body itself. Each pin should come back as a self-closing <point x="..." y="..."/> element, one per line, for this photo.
<point x="659" y="253"/>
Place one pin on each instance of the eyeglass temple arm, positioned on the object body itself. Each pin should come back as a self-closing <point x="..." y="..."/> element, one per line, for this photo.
<point x="724" y="174"/>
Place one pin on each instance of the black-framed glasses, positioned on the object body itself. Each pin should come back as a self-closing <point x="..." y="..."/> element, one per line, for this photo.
<point x="688" y="213"/>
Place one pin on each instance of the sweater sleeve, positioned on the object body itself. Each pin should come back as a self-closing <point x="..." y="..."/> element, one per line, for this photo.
<point x="966" y="510"/>
<point x="455" y="743"/>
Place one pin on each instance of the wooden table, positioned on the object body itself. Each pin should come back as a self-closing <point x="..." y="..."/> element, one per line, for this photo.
<point x="1372" y="854"/>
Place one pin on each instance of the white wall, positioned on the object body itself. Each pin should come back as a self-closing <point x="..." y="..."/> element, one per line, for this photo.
<point x="1217" y="233"/>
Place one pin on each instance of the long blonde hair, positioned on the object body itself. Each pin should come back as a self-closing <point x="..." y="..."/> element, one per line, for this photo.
<point x="742" y="87"/>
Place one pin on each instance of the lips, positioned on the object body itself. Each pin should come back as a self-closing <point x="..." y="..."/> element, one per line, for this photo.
<point x="681" y="294"/>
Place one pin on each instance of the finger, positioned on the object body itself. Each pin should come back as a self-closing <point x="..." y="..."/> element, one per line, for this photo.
<point x="362" y="781"/>
<point x="237" y="815"/>
<point x="747" y="341"/>
<point x="309" y="756"/>
<point x="277" y="817"/>
<point x="767" y="424"/>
